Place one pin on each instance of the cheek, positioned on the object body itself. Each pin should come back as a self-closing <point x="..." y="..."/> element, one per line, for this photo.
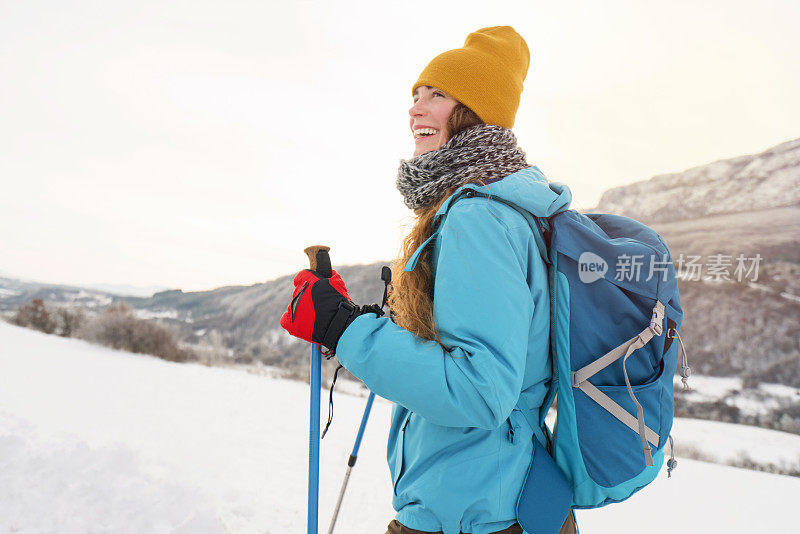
<point x="443" y="113"/>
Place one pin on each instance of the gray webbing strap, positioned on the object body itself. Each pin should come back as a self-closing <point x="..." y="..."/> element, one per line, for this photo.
<point x="626" y="349"/>
<point x="580" y="379"/>
<point x="686" y="371"/>
<point x="617" y="411"/>
<point x="648" y="458"/>
<point x="532" y="421"/>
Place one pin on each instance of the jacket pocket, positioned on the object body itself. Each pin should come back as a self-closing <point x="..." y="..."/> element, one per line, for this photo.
<point x="398" y="460"/>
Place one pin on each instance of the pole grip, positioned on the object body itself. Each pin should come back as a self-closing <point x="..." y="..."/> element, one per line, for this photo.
<point x="319" y="260"/>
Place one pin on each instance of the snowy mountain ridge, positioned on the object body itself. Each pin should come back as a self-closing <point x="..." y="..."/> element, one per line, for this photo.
<point x="17" y="291"/>
<point x="766" y="180"/>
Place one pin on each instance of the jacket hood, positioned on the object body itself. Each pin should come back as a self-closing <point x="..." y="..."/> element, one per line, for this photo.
<point x="528" y="188"/>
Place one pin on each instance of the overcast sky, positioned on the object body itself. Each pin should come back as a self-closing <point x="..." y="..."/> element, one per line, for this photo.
<point x="205" y="143"/>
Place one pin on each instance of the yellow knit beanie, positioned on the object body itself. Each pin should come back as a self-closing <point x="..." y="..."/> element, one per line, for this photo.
<point x="486" y="74"/>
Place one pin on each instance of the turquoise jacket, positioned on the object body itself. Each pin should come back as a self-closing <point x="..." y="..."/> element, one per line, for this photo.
<point x="459" y="447"/>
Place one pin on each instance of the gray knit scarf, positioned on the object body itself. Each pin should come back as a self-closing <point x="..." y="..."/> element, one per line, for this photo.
<point x="484" y="152"/>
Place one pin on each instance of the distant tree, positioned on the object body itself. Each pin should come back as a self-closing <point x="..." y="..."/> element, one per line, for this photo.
<point x="35" y="315"/>
<point x="211" y="349"/>
<point x="69" y="320"/>
<point x="119" y="328"/>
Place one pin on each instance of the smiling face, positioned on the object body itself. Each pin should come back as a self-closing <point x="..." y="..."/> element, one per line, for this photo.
<point x="432" y="107"/>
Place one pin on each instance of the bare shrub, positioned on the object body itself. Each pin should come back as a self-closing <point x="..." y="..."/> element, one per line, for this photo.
<point x="212" y="349"/>
<point x="787" y="418"/>
<point x="35" y="315"/>
<point x="262" y="352"/>
<point x="243" y="359"/>
<point x="692" y="452"/>
<point x="744" y="461"/>
<point x="69" y="320"/>
<point x="118" y="328"/>
<point x="300" y="371"/>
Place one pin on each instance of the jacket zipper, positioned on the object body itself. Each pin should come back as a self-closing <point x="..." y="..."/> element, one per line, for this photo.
<point x="512" y="436"/>
<point x="398" y="463"/>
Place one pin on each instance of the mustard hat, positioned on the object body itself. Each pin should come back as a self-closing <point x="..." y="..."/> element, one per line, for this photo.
<point x="486" y="74"/>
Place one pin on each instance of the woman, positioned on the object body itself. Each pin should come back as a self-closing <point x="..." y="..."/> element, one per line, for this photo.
<point x="470" y="300"/>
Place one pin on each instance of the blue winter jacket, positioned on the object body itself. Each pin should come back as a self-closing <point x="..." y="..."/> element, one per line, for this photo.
<point x="458" y="445"/>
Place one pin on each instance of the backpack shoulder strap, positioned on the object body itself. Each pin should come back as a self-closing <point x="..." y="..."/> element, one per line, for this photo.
<point x="541" y="228"/>
<point x="539" y="225"/>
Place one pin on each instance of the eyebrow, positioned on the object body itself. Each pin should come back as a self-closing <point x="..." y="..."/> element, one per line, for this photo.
<point x="417" y="89"/>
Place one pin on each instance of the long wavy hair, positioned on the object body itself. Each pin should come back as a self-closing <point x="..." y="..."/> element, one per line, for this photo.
<point x="411" y="300"/>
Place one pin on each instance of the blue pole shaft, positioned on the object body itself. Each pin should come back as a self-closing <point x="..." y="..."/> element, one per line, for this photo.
<point x="313" y="440"/>
<point x="364" y="419"/>
<point x="351" y="461"/>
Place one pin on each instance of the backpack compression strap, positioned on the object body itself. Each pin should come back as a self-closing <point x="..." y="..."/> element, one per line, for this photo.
<point x="580" y="380"/>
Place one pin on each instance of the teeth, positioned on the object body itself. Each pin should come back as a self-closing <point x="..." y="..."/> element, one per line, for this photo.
<point x="424" y="131"/>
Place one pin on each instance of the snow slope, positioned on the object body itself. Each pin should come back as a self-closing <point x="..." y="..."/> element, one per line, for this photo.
<point x="97" y="440"/>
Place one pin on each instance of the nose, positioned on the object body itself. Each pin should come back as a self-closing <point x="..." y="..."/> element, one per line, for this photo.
<point x="418" y="109"/>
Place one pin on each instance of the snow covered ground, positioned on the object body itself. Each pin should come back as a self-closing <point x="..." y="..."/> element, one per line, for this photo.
<point x="97" y="440"/>
<point x="727" y="442"/>
<point x="751" y="401"/>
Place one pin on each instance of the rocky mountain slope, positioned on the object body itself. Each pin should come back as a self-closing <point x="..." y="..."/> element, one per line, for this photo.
<point x="766" y="180"/>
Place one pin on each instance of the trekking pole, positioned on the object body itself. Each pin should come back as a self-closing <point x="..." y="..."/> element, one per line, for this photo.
<point x="386" y="276"/>
<point x="320" y="262"/>
<point x="352" y="460"/>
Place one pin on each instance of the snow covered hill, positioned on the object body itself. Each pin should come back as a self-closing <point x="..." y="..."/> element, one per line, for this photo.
<point x="769" y="179"/>
<point x="97" y="440"/>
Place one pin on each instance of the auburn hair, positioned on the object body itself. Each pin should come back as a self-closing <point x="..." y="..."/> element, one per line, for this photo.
<point x="411" y="300"/>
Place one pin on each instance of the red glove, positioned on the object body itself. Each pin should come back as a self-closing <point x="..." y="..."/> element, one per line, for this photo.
<point x="321" y="309"/>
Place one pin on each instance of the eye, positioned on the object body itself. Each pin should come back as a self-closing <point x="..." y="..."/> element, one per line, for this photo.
<point x="438" y="93"/>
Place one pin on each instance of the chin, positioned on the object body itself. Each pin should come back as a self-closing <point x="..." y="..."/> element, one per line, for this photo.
<point x="428" y="146"/>
<point x="422" y="150"/>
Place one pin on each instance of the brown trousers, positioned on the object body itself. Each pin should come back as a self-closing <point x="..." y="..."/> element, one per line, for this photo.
<point x="567" y="528"/>
<point x="398" y="528"/>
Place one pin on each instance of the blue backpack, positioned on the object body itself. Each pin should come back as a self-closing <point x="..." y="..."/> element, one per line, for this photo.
<point x="615" y="314"/>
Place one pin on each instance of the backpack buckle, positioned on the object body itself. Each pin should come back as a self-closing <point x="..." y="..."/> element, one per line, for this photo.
<point x="657" y="321"/>
<point x="574" y="380"/>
